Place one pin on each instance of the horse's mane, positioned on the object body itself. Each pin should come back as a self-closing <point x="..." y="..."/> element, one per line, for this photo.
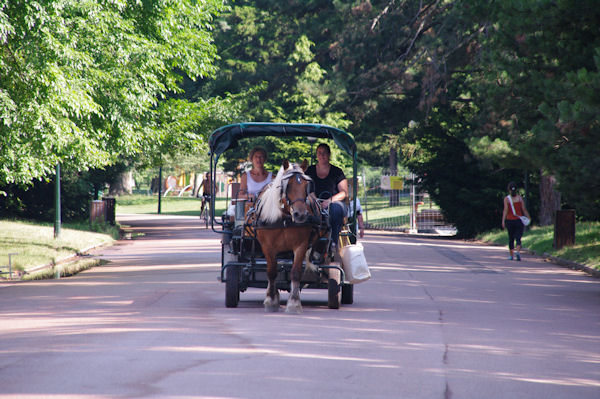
<point x="269" y="208"/>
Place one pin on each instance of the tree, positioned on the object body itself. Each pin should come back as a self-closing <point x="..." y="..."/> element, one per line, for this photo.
<point x="526" y="70"/>
<point x="269" y="47"/>
<point x="394" y="59"/>
<point x="276" y="53"/>
<point x="81" y="82"/>
<point x="537" y="70"/>
<point x="463" y="185"/>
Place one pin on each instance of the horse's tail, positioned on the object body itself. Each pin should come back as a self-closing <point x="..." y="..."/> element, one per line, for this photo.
<point x="269" y="207"/>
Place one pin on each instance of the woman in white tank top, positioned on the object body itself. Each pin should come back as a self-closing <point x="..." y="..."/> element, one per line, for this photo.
<point x="255" y="179"/>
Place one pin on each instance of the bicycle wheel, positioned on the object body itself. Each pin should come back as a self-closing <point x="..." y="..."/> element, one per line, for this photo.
<point x="207" y="214"/>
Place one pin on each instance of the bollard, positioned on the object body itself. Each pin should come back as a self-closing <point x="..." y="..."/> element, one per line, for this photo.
<point x="97" y="212"/>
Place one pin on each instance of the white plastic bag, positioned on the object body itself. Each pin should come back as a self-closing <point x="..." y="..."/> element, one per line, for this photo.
<point x="354" y="263"/>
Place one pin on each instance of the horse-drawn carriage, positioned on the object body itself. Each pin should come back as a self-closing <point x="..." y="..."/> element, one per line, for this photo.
<point x="283" y="240"/>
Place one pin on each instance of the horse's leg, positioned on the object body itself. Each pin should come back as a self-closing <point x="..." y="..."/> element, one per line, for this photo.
<point x="272" y="298"/>
<point x="293" y="304"/>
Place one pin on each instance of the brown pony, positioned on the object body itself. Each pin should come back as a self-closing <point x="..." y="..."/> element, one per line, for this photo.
<point x="288" y="196"/>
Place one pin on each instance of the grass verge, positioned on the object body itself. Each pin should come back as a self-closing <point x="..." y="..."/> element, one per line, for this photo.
<point x="33" y="244"/>
<point x="586" y="250"/>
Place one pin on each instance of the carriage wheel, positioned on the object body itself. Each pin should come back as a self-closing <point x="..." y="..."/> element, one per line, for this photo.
<point x="348" y="294"/>
<point x="232" y="289"/>
<point x="334" y="289"/>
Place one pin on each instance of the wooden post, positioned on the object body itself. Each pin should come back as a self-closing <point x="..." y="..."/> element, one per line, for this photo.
<point x="564" y="228"/>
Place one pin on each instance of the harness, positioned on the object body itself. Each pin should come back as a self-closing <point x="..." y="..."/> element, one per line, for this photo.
<point x="316" y="218"/>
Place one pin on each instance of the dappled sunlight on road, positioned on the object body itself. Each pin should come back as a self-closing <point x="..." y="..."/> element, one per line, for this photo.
<point x="417" y="242"/>
<point x="437" y="315"/>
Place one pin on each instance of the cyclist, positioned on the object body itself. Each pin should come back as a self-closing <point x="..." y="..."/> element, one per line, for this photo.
<point x="206" y="190"/>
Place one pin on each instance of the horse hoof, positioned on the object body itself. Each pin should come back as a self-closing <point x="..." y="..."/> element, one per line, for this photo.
<point x="293" y="309"/>
<point x="271" y="306"/>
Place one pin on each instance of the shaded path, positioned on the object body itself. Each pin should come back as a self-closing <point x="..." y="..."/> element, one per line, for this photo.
<point x="439" y="319"/>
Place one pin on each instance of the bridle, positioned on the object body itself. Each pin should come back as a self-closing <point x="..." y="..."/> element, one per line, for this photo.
<point x="289" y="206"/>
<point x="298" y="176"/>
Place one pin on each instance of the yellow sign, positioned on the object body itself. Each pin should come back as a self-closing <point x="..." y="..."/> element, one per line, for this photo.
<point x="397" y="183"/>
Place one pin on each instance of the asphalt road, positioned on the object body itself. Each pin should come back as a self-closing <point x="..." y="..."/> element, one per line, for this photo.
<point x="439" y="319"/>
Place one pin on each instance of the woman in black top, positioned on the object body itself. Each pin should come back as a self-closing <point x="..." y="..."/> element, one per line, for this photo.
<point x="330" y="183"/>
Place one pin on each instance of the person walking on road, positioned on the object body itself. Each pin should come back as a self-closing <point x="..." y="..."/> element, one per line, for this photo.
<point x="514" y="207"/>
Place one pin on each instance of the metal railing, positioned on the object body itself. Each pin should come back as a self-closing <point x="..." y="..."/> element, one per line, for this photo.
<point x="391" y="202"/>
<point x="10" y="271"/>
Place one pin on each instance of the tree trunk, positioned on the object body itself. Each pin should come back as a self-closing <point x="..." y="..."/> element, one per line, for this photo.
<point x="393" y="161"/>
<point x="549" y="199"/>
<point x="564" y="228"/>
<point x="123" y="184"/>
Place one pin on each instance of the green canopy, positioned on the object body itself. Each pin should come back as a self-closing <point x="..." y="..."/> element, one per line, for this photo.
<point x="226" y="137"/>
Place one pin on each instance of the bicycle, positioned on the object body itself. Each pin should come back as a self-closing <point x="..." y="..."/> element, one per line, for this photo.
<point x="205" y="210"/>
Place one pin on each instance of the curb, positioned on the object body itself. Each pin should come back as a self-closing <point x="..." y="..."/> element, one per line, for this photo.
<point x="67" y="259"/>
<point x="570" y="264"/>
<point x="557" y="261"/>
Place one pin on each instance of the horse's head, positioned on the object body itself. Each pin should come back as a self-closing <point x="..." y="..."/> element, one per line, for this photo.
<point x="289" y="193"/>
<point x="297" y="188"/>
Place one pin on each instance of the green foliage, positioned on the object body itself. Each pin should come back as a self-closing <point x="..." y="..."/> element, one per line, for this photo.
<point x="270" y="47"/>
<point x="36" y="201"/>
<point x="536" y="84"/>
<point x="276" y="52"/>
<point x="465" y="188"/>
<point x="575" y="156"/>
<point x="522" y="74"/>
<point x="81" y="82"/>
<point x="496" y="90"/>
<point x="393" y="58"/>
